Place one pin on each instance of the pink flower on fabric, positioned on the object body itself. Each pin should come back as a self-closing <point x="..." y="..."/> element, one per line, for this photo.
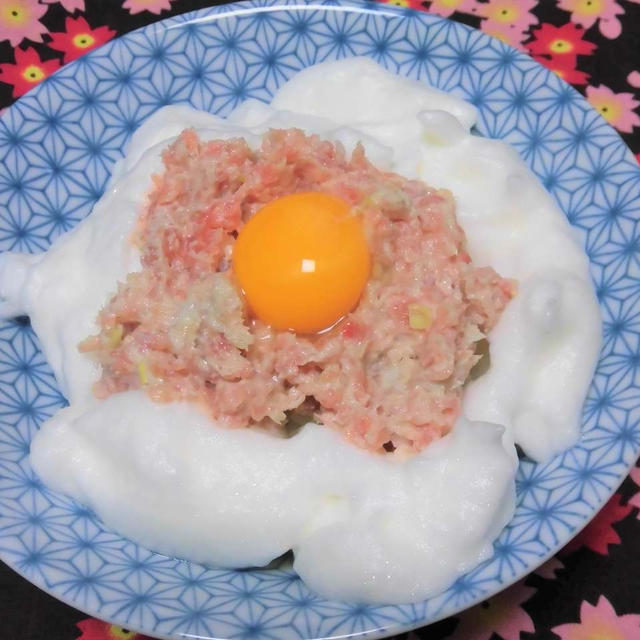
<point x="618" y="109"/>
<point x="587" y="12"/>
<point x="68" y="5"/>
<point x="507" y="20"/>
<point x="501" y="614"/>
<point x="634" y="79"/>
<point x="600" y="621"/>
<point x="635" y="472"/>
<point x="515" y="14"/>
<point x="549" y="569"/>
<point x="153" y="6"/>
<point x="445" y="8"/>
<point x="505" y="33"/>
<point x="19" y="19"/>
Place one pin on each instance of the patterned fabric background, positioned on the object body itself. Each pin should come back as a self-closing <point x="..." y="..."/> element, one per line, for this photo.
<point x="591" y="589"/>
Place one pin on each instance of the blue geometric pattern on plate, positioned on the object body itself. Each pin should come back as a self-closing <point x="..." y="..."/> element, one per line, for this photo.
<point x="57" y="146"/>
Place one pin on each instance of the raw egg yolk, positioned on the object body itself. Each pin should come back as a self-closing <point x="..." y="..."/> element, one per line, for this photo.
<point x="302" y="261"/>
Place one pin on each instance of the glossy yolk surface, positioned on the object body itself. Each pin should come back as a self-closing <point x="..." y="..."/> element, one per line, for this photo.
<point x="302" y="261"/>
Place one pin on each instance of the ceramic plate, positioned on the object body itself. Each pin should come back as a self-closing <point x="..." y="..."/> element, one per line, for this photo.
<point x="57" y="146"/>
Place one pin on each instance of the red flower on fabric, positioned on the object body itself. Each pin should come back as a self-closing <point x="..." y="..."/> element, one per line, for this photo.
<point x="599" y="533"/>
<point x="560" y="41"/>
<point x="27" y="71"/>
<point x="563" y="67"/>
<point x="79" y="38"/>
<point x="93" y="629"/>
<point x="406" y="4"/>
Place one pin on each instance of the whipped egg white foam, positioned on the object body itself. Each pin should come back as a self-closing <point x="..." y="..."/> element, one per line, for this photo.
<point x="362" y="527"/>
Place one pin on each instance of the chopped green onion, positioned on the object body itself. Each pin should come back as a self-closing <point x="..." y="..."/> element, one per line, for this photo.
<point x="419" y="317"/>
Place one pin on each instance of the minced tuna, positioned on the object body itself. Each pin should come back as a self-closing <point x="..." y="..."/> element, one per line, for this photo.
<point x="389" y="375"/>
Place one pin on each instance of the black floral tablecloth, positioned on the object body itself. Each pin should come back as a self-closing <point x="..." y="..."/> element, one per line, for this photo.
<point x="591" y="589"/>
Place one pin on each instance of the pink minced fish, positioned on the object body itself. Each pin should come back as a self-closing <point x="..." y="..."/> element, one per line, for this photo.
<point x="389" y="375"/>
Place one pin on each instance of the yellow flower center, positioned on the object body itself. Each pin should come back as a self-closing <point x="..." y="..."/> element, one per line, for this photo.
<point x="33" y="73"/>
<point x="399" y="3"/>
<point x="83" y="40"/>
<point x="449" y="4"/>
<point x="14" y="14"/>
<point x="560" y="46"/>
<point x="588" y="7"/>
<point x="505" y="13"/>
<point x="601" y="630"/>
<point x="608" y="109"/>
<point x="118" y="633"/>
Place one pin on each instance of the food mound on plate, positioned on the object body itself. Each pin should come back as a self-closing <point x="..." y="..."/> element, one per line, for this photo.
<point x="374" y="333"/>
<point x="269" y="279"/>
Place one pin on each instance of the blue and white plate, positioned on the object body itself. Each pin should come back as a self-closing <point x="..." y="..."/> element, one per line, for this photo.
<point x="57" y="147"/>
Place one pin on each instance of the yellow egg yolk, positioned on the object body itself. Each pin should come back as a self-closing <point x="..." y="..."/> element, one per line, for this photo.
<point x="302" y="261"/>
